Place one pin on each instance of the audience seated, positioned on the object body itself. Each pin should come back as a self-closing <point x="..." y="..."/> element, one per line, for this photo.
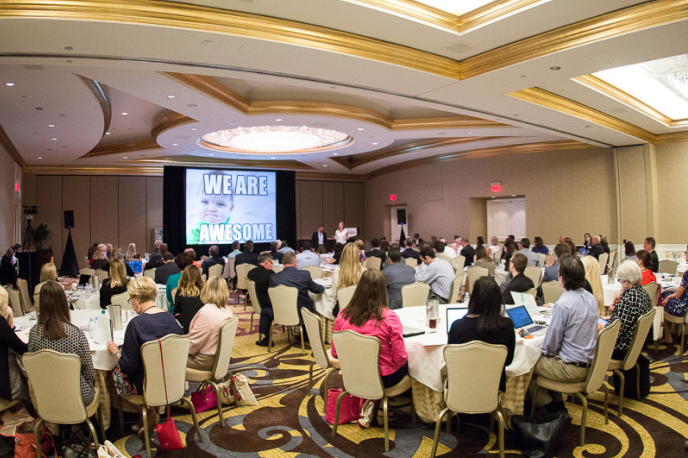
<point x="437" y="273"/>
<point x="408" y="251"/>
<point x="368" y="314"/>
<point x="552" y="270"/>
<point x="115" y="284"/>
<point x="485" y="323"/>
<point x="247" y="256"/>
<point x="494" y="247"/>
<point x="100" y="260"/>
<point x="524" y="249"/>
<point x="569" y="344"/>
<point x="12" y="384"/>
<point x="214" y="259"/>
<point x="205" y="326"/>
<point x="274" y="251"/>
<point x="644" y="261"/>
<point x="350" y="269"/>
<point x="261" y="277"/>
<point x="54" y="331"/>
<point x="169" y="267"/>
<point x="182" y="261"/>
<point x="397" y="274"/>
<point x="8" y="273"/>
<point x="48" y="273"/>
<point x="131" y="253"/>
<point x="187" y="300"/>
<point x="519" y="283"/>
<point x="676" y="304"/>
<point x="299" y="279"/>
<point x="192" y="254"/>
<point x="467" y="251"/>
<point x="377" y="252"/>
<point x="117" y="254"/>
<point x="597" y="248"/>
<point x="592" y="275"/>
<point x="629" y="251"/>
<point x="587" y="242"/>
<point x="307" y="257"/>
<point x="235" y="250"/>
<point x="539" y="246"/>
<point x="649" y="245"/>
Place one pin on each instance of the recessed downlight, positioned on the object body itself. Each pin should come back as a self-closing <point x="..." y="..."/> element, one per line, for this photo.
<point x="194" y="128"/>
<point x="125" y="157"/>
<point x="9" y="84"/>
<point x="171" y="96"/>
<point x="175" y="144"/>
<point x="360" y="128"/>
<point x="124" y="113"/>
<point x="374" y="143"/>
<point x="54" y="139"/>
<point x="40" y="158"/>
<point x="51" y="125"/>
<point x="107" y="133"/>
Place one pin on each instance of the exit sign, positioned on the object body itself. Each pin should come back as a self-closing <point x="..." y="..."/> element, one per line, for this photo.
<point x="496" y="187"/>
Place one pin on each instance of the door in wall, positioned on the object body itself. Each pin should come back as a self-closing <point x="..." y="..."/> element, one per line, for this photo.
<point x="506" y="216"/>
<point x="397" y="215"/>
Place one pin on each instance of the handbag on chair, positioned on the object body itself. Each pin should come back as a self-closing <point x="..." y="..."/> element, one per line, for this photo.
<point x="168" y="435"/>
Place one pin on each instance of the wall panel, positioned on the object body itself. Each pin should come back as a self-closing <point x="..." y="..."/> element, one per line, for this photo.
<point x="132" y="212"/>
<point x="311" y="207"/>
<point x="8" y="218"/>
<point x="355" y="210"/>
<point x="76" y="196"/>
<point x="153" y="212"/>
<point x="333" y="206"/>
<point x="104" y="212"/>
<point x="49" y="201"/>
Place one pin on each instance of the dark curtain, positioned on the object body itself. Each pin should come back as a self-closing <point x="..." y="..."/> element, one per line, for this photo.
<point x="402" y="236"/>
<point x="286" y="207"/>
<point x="70" y="265"/>
<point x="174" y="208"/>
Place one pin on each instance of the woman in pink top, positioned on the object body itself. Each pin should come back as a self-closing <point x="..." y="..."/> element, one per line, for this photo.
<point x="368" y="314"/>
<point x="204" y="329"/>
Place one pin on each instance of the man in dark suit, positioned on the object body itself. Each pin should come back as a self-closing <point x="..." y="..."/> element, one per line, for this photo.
<point x="300" y="279"/>
<point x="276" y="255"/>
<point x="597" y="249"/>
<point x="520" y="283"/>
<point x="261" y="276"/>
<point x="318" y="240"/>
<point x="649" y="245"/>
<point x="409" y="252"/>
<point x="247" y="256"/>
<point x="377" y="252"/>
<point x="397" y="274"/>
<point x="467" y="251"/>
<point x="163" y="272"/>
<point x="214" y="259"/>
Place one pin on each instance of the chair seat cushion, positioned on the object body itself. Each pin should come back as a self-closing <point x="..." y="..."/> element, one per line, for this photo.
<point x="615" y="364"/>
<point x="194" y="375"/>
<point x="562" y="387"/>
<point x="401" y="387"/>
<point x="675" y="319"/>
<point x="135" y="399"/>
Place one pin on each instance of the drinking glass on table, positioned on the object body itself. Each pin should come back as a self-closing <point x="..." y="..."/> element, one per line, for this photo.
<point x="431" y="313"/>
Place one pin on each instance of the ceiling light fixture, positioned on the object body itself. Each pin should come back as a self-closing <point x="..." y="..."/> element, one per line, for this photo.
<point x="374" y="143"/>
<point x="125" y="157"/>
<point x="194" y="128"/>
<point x="360" y="128"/>
<point x="40" y="158"/>
<point x="278" y="120"/>
<point x="175" y="144"/>
<point x="107" y="133"/>
<point x="9" y="84"/>
<point x="555" y="68"/>
<point x="275" y="139"/>
<point x="171" y="96"/>
<point x="124" y="113"/>
<point x="54" y="139"/>
<point x="51" y="125"/>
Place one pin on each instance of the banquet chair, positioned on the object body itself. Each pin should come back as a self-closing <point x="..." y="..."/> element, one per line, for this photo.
<point x="344" y="296"/>
<point x="257" y="307"/>
<point x="223" y="354"/>
<point x="373" y="262"/>
<point x="122" y="300"/>
<point x="667" y="266"/>
<point x="316" y="271"/>
<point x="284" y="306"/>
<point x="411" y="262"/>
<point x="15" y="301"/>
<point x="415" y="294"/>
<point x="606" y="339"/>
<point x="473" y="373"/>
<point x="531" y="291"/>
<point x="542" y="257"/>
<point x="617" y="366"/>
<point x="242" y="271"/>
<point x="150" y="273"/>
<point x="215" y="271"/>
<point x="551" y="291"/>
<point x="602" y="260"/>
<point x="321" y="356"/>
<point x="489" y="265"/>
<point x="228" y="273"/>
<point x="102" y="274"/>
<point x="458" y="263"/>
<point x="359" y="358"/>
<point x="473" y="274"/>
<point x="456" y="288"/>
<point x="652" y="290"/>
<point x="175" y="349"/>
<point x="50" y="372"/>
<point x="682" y="322"/>
<point x="23" y="287"/>
<point x="277" y="269"/>
<point x="37" y="296"/>
<point x="534" y="273"/>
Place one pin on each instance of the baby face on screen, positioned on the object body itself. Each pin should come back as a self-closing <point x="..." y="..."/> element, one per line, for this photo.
<point x="214" y="209"/>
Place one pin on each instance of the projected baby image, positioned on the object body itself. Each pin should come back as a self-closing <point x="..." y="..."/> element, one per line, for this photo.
<point x="215" y="202"/>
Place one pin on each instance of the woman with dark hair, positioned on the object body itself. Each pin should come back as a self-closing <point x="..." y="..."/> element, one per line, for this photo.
<point x="481" y="254"/>
<point x="368" y="314"/>
<point x="485" y="323"/>
<point x="481" y="241"/>
<point x="629" y="251"/>
<point x="587" y="242"/>
<point x="337" y="253"/>
<point x="508" y="251"/>
<point x="539" y="246"/>
<point x="54" y="331"/>
<point x="12" y="383"/>
<point x="645" y="262"/>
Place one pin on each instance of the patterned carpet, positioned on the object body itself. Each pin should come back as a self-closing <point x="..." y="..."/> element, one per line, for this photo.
<point x="289" y="418"/>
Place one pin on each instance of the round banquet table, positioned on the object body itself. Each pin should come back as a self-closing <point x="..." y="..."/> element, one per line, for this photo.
<point x="79" y="300"/>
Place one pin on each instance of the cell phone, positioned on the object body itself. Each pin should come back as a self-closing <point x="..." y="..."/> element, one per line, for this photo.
<point x="604" y="322"/>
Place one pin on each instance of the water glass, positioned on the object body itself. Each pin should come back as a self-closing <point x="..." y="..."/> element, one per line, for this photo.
<point x="431" y="314"/>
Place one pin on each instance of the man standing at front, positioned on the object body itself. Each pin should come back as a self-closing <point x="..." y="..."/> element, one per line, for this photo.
<point x="318" y="240"/>
<point x="437" y="273"/>
<point x="569" y="345"/>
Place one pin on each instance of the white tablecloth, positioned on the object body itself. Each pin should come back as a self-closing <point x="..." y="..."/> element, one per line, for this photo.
<point x="324" y="303"/>
<point x="102" y="358"/>
<point x="81" y="301"/>
<point x="425" y="352"/>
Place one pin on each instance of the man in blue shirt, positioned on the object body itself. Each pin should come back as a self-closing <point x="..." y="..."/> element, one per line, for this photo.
<point x="569" y="345"/>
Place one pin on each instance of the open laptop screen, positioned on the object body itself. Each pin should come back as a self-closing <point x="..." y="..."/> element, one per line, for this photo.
<point x="135" y="266"/>
<point x="519" y="315"/>
<point x="453" y="314"/>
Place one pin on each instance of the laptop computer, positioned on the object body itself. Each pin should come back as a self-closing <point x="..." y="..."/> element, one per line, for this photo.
<point x="453" y="314"/>
<point x="136" y="266"/>
<point x="521" y="318"/>
<point x="529" y="301"/>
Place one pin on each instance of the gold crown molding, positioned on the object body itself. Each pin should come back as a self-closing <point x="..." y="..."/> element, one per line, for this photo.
<point x="8" y="146"/>
<point x="218" y="20"/>
<point x="624" y="21"/>
<point x="613" y="92"/>
<point x="672" y="138"/>
<point x="319" y="176"/>
<point x="320" y="108"/>
<point x="213" y="89"/>
<point x="91" y="170"/>
<point x="357" y="160"/>
<point x="492" y="12"/>
<point x="454" y="122"/>
<point x="122" y="149"/>
<point x="567" y="106"/>
<point x="102" y="100"/>
<point x="204" y="161"/>
<point x="169" y="122"/>
<point x="526" y="148"/>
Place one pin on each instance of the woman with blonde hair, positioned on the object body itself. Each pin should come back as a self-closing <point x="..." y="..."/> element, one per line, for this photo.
<point x="115" y="284"/>
<point x="48" y="272"/>
<point x="205" y="326"/>
<point x="350" y="269"/>
<point x="99" y="260"/>
<point x="592" y="275"/>
<point x="187" y="300"/>
<point x="131" y="252"/>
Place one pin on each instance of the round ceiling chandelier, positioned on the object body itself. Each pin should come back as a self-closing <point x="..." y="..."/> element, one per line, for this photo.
<point x="275" y="140"/>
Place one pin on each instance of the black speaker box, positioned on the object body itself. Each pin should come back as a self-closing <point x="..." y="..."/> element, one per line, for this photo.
<point x="69" y="219"/>
<point x="401" y="216"/>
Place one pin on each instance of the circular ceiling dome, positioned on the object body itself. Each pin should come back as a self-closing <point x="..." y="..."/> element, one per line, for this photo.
<point x="275" y="140"/>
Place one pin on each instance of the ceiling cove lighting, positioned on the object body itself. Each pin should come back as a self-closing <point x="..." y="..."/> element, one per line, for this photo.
<point x="275" y="140"/>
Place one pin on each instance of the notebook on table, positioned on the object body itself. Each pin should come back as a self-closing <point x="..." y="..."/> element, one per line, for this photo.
<point x="521" y="319"/>
<point x="529" y="301"/>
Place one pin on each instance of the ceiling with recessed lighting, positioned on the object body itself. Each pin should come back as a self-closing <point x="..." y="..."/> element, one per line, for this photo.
<point x="129" y="86"/>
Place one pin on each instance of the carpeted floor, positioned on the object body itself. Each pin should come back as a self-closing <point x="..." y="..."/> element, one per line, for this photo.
<point x="289" y="419"/>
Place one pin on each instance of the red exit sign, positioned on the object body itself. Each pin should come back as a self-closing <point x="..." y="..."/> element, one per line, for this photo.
<point x="496" y="187"/>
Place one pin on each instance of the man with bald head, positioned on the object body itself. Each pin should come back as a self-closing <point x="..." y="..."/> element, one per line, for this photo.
<point x="597" y="249"/>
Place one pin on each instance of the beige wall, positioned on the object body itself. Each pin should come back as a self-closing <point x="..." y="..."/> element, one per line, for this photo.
<point x="672" y="169"/>
<point x="8" y="218"/>
<point x="118" y="210"/>
<point x="328" y="203"/>
<point x="566" y="192"/>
